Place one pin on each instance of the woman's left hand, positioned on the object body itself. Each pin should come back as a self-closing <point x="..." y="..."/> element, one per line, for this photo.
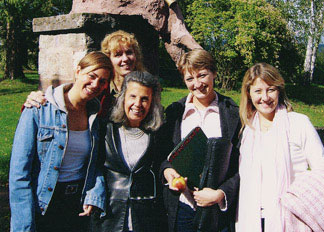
<point x="208" y="197"/>
<point x="87" y="210"/>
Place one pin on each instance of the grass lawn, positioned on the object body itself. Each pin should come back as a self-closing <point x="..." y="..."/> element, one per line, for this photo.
<point x="306" y="100"/>
<point x="12" y="96"/>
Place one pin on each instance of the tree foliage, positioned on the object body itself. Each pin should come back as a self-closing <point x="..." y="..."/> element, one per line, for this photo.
<point x="17" y="39"/>
<point x="305" y="18"/>
<point x="240" y="33"/>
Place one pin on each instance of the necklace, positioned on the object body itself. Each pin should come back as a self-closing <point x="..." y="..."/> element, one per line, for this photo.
<point x="133" y="132"/>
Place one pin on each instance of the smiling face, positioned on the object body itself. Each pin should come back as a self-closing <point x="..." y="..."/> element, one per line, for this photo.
<point x="200" y="83"/>
<point x="91" y="84"/>
<point x="137" y="103"/>
<point x="264" y="98"/>
<point x="123" y="60"/>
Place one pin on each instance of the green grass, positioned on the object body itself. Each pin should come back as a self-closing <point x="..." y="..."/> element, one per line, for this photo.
<point x="12" y="96"/>
<point x="306" y="100"/>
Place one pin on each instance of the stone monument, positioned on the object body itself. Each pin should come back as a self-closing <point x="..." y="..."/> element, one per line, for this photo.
<point x="65" y="39"/>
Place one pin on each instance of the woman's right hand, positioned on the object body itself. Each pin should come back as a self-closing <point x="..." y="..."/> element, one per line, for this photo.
<point x="169" y="175"/>
<point x="35" y="99"/>
<point x="87" y="210"/>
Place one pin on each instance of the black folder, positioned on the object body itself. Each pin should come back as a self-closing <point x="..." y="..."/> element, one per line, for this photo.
<point x="188" y="157"/>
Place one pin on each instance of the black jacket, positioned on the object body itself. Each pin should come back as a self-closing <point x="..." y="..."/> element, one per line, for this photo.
<point x="139" y="188"/>
<point x="222" y="170"/>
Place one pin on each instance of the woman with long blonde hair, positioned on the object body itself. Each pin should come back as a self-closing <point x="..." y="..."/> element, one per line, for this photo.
<point x="277" y="145"/>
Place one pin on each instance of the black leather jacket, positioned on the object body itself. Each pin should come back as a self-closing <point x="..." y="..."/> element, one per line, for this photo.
<point x="138" y="189"/>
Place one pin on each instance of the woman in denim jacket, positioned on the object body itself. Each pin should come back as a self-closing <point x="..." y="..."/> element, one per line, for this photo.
<point x="53" y="153"/>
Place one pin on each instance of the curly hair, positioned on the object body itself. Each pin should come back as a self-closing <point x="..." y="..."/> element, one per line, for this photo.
<point x="113" y="41"/>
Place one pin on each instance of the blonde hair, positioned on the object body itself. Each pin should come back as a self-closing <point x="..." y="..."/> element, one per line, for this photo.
<point x="272" y="77"/>
<point x="113" y="41"/>
<point x="95" y="60"/>
<point x="195" y="60"/>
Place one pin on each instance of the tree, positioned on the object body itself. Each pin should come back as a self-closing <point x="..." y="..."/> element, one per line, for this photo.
<point x="315" y="29"/>
<point x="16" y="33"/>
<point x="240" y="33"/>
<point x="305" y="19"/>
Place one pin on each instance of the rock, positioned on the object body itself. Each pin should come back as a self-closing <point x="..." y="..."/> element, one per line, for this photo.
<point x="167" y="21"/>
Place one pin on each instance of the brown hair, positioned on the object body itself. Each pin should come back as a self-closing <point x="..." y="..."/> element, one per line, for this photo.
<point x="95" y="60"/>
<point x="112" y="42"/>
<point x="271" y="76"/>
<point x="195" y="60"/>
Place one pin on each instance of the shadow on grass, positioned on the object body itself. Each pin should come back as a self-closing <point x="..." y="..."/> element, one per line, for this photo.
<point x="19" y="85"/>
<point x="310" y="95"/>
<point x="13" y="91"/>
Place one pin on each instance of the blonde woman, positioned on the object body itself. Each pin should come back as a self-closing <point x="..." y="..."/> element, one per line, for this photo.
<point x="125" y="54"/>
<point x="277" y="145"/>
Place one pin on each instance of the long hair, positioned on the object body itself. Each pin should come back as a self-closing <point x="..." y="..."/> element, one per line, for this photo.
<point x="113" y="41"/>
<point x="271" y="76"/>
<point x="154" y="118"/>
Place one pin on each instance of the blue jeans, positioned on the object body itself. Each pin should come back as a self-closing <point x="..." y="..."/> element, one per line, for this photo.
<point x="185" y="217"/>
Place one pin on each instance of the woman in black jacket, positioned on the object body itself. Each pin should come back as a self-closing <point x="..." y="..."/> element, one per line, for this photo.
<point x="131" y="160"/>
<point x="212" y="207"/>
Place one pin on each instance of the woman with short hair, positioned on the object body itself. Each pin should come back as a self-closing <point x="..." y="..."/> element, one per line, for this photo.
<point x="213" y="207"/>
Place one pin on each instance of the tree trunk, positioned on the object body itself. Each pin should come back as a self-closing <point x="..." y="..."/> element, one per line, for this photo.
<point x="310" y="46"/>
<point x="13" y="64"/>
<point x="314" y="53"/>
<point x="318" y="35"/>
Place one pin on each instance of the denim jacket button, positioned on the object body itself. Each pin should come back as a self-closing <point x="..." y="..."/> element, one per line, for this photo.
<point x="61" y="147"/>
<point x="64" y="126"/>
<point x="50" y="189"/>
<point x="56" y="168"/>
<point x="42" y="209"/>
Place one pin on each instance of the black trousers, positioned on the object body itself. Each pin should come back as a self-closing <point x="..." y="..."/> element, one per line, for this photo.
<point x="63" y="211"/>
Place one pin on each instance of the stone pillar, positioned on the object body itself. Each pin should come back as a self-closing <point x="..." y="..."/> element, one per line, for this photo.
<point x="65" y="39"/>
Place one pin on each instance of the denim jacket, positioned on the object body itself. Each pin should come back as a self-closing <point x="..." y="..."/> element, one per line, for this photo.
<point x="38" y="149"/>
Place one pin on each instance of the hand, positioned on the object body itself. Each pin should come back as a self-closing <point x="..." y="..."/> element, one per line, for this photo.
<point x="208" y="197"/>
<point x="35" y="99"/>
<point x="87" y="210"/>
<point x="169" y="175"/>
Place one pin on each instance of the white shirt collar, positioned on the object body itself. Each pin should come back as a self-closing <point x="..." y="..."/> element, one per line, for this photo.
<point x="190" y="107"/>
